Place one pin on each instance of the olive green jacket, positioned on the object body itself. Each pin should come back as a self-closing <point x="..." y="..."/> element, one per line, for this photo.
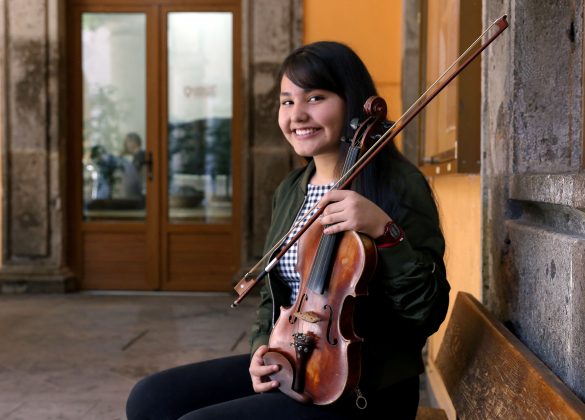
<point x="408" y="295"/>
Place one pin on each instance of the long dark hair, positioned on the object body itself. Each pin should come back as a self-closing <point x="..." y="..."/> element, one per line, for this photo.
<point x="337" y="68"/>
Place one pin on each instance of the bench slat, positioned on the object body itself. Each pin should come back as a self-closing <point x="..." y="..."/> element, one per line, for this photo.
<point x="428" y="413"/>
<point x="489" y="373"/>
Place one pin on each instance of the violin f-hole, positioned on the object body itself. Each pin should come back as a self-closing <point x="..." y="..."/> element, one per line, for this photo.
<point x="329" y="323"/>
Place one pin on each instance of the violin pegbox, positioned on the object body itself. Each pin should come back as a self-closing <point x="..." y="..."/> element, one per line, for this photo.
<point x="375" y="106"/>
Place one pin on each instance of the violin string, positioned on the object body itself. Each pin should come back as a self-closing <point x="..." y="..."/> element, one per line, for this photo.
<point x="365" y="155"/>
<point x="327" y="242"/>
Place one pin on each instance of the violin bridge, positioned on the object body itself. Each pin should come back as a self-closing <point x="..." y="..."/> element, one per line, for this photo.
<point x="310" y="316"/>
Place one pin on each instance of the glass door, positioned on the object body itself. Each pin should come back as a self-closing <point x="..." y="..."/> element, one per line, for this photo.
<point x="154" y="123"/>
<point x="200" y="230"/>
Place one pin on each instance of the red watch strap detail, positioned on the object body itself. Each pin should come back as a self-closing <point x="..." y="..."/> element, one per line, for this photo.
<point x="387" y="240"/>
<point x="388" y="244"/>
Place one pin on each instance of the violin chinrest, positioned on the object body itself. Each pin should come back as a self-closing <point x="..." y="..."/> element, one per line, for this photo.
<point x="284" y="376"/>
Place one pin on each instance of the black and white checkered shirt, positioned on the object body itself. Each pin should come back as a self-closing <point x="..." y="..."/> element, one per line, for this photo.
<point x="286" y="267"/>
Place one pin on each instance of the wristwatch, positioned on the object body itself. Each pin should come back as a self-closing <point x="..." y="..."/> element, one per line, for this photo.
<point x="392" y="235"/>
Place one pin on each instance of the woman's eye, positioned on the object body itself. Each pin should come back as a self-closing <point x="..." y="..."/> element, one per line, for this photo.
<point x="316" y="98"/>
<point x="285" y="103"/>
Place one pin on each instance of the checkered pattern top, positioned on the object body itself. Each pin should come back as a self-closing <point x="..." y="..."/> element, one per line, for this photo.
<point x="286" y="267"/>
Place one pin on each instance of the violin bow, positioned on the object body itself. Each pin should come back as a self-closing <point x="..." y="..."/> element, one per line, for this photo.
<point x="250" y="279"/>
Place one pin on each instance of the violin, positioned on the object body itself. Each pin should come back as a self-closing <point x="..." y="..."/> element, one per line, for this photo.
<point x="313" y="341"/>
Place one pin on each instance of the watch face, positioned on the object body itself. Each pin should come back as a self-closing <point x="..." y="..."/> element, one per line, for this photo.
<point x="394" y="231"/>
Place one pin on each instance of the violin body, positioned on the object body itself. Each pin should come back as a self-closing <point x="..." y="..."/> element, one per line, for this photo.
<point x="313" y="341"/>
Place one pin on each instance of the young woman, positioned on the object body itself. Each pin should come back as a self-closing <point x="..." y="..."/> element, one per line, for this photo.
<point x="323" y="86"/>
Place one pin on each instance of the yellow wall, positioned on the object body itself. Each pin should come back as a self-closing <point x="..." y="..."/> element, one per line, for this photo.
<point x="372" y="29"/>
<point x="459" y="200"/>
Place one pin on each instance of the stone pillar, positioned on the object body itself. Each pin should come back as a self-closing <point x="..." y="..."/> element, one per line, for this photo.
<point x="410" y="86"/>
<point x="533" y="180"/>
<point x="32" y="230"/>
<point x="276" y="29"/>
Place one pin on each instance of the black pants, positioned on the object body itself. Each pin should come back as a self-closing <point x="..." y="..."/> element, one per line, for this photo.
<point x="222" y="389"/>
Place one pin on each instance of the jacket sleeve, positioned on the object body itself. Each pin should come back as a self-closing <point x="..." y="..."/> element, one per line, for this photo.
<point x="411" y="275"/>
<point x="281" y="212"/>
<point x="260" y="330"/>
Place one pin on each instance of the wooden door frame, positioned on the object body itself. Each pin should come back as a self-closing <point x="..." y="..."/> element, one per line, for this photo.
<point x="77" y="225"/>
<point x="156" y="78"/>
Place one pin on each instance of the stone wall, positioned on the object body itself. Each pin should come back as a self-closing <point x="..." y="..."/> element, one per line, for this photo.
<point x="276" y="29"/>
<point x="32" y="141"/>
<point x="533" y="180"/>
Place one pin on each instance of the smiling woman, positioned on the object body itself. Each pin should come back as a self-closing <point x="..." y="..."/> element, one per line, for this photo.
<point x="323" y="86"/>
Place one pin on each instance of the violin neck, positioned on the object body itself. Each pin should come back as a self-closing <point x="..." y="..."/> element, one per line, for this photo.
<point x="320" y="271"/>
<point x="353" y="154"/>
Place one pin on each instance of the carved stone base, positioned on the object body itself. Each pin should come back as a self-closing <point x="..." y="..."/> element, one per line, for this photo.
<point x="47" y="282"/>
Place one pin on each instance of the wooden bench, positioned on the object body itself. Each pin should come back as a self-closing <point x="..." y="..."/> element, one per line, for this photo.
<point x="489" y="374"/>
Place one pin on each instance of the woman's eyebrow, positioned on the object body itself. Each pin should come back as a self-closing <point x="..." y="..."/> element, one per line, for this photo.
<point x="307" y="90"/>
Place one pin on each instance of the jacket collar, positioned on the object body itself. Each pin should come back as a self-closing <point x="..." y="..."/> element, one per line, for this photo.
<point x="309" y="171"/>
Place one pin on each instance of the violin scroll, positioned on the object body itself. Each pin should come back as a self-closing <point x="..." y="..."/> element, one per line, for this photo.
<point x="375" y="106"/>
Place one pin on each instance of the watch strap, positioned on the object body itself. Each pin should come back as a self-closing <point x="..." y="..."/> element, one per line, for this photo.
<point x="393" y="235"/>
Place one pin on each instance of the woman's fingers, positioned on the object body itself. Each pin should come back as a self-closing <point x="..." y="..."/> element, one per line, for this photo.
<point x="259" y="371"/>
<point x="348" y="210"/>
<point x="260" y="386"/>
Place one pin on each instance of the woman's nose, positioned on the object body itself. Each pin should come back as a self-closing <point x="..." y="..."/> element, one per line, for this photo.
<point x="299" y="114"/>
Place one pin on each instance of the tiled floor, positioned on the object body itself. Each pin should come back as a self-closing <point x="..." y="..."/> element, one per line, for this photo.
<point x="76" y="356"/>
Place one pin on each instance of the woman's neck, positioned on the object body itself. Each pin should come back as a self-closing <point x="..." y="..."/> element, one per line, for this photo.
<point x="326" y="171"/>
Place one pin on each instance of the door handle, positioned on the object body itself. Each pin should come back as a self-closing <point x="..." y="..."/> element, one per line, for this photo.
<point x="148" y="162"/>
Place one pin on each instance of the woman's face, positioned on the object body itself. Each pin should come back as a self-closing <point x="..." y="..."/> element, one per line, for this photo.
<point x="311" y="120"/>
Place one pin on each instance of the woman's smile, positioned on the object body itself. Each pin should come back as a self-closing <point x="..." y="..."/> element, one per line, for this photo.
<point x="305" y="132"/>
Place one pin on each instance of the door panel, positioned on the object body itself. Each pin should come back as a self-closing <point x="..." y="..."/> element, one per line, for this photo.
<point x="206" y="258"/>
<point x="119" y="265"/>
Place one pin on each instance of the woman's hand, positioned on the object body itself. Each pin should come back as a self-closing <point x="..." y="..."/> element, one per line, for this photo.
<point x="259" y="371"/>
<point x="348" y="210"/>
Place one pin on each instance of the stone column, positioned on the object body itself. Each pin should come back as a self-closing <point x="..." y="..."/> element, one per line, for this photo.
<point x="32" y="148"/>
<point x="533" y="180"/>
<point x="276" y="29"/>
<point x="410" y="86"/>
